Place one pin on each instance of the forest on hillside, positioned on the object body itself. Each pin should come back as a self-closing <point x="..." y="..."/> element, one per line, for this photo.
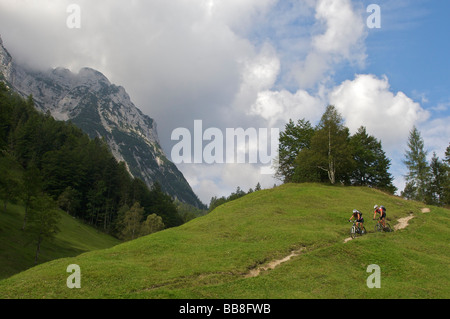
<point x="48" y="163"/>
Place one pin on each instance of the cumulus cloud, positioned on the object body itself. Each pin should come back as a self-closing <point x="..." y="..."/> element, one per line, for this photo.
<point x="368" y="100"/>
<point x="279" y="106"/>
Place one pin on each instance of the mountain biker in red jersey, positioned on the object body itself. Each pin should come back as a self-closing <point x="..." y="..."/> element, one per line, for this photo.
<point x="359" y="219"/>
<point x="382" y="211"/>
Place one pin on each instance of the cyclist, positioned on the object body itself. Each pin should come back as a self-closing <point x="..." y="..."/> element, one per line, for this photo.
<point x="359" y="219"/>
<point x="382" y="211"/>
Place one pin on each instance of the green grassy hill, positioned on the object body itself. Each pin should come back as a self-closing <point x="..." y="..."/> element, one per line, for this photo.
<point x="212" y="256"/>
<point x="17" y="251"/>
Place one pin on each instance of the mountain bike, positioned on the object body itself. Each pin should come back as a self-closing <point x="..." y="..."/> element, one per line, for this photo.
<point x="379" y="226"/>
<point x="355" y="230"/>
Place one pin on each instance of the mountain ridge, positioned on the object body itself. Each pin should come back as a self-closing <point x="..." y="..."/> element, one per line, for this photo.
<point x="101" y="109"/>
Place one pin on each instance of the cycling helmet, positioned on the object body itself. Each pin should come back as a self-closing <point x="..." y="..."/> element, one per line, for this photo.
<point x="375" y="207"/>
<point x="355" y="211"/>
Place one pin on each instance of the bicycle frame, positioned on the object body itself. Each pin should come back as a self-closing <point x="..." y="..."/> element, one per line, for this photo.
<point x="354" y="228"/>
<point x="379" y="225"/>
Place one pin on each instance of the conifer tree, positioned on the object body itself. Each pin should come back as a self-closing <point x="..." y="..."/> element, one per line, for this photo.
<point x="295" y="138"/>
<point x="436" y="194"/>
<point x="446" y="191"/>
<point x="418" y="173"/>
<point x="371" y="163"/>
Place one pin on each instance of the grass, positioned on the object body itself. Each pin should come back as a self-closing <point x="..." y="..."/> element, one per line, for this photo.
<point x="210" y="256"/>
<point x="17" y="251"/>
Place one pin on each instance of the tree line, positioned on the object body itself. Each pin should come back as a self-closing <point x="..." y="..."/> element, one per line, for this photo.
<point x="328" y="153"/>
<point x="47" y="164"/>
<point x="217" y="201"/>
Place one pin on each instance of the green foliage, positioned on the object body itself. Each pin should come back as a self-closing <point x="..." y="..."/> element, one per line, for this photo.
<point x="9" y="181"/>
<point x="328" y="154"/>
<point x="418" y="168"/>
<point x="151" y="225"/>
<point x="436" y="189"/>
<point x="426" y="182"/>
<point x="331" y="147"/>
<point x="446" y="191"/>
<point x="132" y="222"/>
<point x="295" y="138"/>
<point x="43" y="221"/>
<point x="371" y="163"/>
<point x="188" y="212"/>
<point x="216" y="202"/>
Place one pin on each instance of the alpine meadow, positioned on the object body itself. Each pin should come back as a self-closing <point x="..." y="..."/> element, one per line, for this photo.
<point x="214" y="256"/>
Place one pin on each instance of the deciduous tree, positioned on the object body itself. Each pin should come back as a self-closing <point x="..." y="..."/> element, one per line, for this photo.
<point x="132" y="222"/>
<point x="43" y="221"/>
<point x="330" y="155"/>
<point x="152" y="224"/>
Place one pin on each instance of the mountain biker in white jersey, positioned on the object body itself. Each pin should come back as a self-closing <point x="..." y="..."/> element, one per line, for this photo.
<point x="359" y="219"/>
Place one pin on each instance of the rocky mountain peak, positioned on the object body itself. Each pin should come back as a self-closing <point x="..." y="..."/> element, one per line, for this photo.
<point x="101" y="109"/>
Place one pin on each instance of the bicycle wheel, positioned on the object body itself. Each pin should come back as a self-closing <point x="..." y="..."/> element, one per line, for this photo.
<point x="363" y="231"/>
<point x="388" y="228"/>
<point x="378" y="227"/>
<point x="353" y="232"/>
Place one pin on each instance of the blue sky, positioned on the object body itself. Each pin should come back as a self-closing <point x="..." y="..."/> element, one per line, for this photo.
<point x="412" y="48"/>
<point x="254" y="63"/>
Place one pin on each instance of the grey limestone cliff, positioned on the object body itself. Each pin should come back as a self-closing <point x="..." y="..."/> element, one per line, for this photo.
<point x="101" y="109"/>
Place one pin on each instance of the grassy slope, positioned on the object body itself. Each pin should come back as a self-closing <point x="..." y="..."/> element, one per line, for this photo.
<point x="17" y="251"/>
<point x="209" y="256"/>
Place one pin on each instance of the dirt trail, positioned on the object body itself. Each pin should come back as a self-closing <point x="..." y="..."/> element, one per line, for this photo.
<point x="274" y="263"/>
<point x="402" y="223"/>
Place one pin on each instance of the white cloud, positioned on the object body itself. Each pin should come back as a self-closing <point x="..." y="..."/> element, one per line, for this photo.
<point x="221" y="180"/>
<point x="345" y="29"/>
<point x="259" y="72"/>
<point x="368" y="101"/>
<point x="436" y="136"/>
<point x="342" y="40"/>
<point x="279" y="106"/>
